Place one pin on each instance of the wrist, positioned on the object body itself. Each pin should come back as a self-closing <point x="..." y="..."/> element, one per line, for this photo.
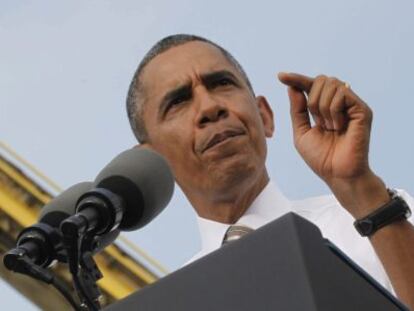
<point x="389" y="214"/>
<point x="362" y="195"/>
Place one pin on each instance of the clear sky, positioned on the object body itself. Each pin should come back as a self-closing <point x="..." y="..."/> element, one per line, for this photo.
<point x="65" y="67"/>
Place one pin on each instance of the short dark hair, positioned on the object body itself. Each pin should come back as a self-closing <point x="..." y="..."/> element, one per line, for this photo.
<point x="135" y="107"/>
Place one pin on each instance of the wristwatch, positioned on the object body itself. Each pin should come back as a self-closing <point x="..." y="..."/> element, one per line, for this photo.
<point x="396" y="209"/>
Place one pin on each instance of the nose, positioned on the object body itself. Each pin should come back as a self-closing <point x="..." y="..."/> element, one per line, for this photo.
<point x="211" y="110"/>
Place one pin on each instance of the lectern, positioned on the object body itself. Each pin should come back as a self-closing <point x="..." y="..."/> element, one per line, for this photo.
<point x="285" y="265"/>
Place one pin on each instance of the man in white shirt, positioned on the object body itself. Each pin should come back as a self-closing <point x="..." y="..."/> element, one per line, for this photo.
<point x="191" y="101"/>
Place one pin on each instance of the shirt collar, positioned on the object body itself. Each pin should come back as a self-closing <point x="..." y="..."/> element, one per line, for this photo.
<point x="269" y="205"/>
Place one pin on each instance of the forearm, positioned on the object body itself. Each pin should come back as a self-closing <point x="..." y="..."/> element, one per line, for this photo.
<point x="394" y="243"/>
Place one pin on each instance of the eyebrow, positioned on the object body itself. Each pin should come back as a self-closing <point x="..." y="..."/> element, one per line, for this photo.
<point x="207" y="79"/>
<point x="211" y="77"/>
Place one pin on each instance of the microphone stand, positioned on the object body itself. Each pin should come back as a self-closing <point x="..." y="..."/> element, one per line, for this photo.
<point x="98" y="212"/>
<point x="85" y="272"/>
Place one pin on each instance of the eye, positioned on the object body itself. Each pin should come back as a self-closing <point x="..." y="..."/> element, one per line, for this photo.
<point x="176" y="101"/>
<point x="222" y="82"/>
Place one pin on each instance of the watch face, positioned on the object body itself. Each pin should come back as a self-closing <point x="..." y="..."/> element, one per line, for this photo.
<point x="365" y="226"/>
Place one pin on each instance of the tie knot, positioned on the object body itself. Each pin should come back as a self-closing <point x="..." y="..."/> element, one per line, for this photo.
<point x="235" y="232"/>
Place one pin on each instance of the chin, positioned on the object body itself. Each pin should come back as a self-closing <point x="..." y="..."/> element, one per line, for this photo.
<point x="234" y="171"/>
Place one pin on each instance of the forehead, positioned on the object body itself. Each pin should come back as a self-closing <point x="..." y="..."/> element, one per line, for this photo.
<point x="182" y="64"/>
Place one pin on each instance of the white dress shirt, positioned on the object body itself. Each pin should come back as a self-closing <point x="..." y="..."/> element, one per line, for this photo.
<point x="335" y="223"/>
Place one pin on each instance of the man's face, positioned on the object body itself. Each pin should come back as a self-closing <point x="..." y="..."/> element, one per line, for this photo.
<point x="200" y="114"/>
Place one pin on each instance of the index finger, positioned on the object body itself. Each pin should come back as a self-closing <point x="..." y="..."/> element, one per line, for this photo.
<point x="296" y="80"/>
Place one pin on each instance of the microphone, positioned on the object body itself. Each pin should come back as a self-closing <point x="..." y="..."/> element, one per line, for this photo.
<point x="63" y="205"/>
<point x="128" y="193"/>
<point x="41" y="242"/>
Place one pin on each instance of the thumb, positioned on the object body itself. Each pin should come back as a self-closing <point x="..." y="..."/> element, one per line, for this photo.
<point x="299" y="111"/>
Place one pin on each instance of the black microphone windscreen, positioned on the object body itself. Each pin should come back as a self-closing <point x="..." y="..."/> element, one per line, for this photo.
<point x="63" y="205"/>
<point x="143" y="179"/>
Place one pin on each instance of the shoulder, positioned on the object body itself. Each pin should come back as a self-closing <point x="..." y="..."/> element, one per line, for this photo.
<point x="317" y="208"/>
<point x="334" y="221"/>
<point x="336" y="224"/>
<point x="328" y="215"/>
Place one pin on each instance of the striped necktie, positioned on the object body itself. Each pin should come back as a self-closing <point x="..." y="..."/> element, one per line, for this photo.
<point x="235" y="232"/>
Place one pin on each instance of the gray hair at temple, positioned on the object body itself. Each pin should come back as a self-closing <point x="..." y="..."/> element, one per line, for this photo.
<point x="134" y="103"/>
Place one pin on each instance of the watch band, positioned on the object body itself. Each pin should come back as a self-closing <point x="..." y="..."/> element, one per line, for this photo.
<point x="396" y="209"/>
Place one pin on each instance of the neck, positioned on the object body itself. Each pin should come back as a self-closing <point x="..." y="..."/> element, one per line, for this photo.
<point x="230" y="207"/>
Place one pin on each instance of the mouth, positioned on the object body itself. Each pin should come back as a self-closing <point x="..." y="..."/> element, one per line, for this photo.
<point x="222" y="136"/>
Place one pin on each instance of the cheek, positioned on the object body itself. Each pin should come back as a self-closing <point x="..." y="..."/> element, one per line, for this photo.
<point x="172" y="139"/>
<point x="175" y="143"/>
<point x="251" y="119"/>
<point x="250" y="116"/>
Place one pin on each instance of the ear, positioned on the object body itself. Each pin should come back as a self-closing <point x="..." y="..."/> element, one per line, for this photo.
<point x="266" y="114"/>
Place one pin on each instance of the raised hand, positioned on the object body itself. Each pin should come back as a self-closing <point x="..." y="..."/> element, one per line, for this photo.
<point x="336" y="145"/>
